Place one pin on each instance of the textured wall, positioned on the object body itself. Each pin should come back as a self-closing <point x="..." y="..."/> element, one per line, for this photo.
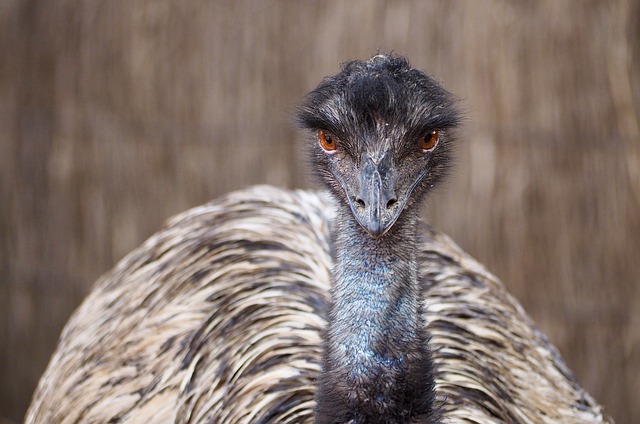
<point x="116" y="114"/>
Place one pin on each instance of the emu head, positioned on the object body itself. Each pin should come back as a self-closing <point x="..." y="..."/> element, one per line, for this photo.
<point x="381" y="137"/>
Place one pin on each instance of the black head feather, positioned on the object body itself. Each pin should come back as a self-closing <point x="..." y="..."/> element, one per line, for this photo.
<point x="384" y="89"/>
<point x="379" y="110"/>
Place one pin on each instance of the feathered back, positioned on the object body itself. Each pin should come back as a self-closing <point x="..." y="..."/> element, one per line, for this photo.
<point x="217" y="318"/>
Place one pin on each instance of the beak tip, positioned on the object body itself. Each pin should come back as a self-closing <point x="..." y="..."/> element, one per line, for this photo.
<point x="374" y="228"/>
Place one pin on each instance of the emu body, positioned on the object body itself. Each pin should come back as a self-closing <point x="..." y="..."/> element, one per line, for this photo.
<point x="219" y="318"/>
<point x="273" y="306"/>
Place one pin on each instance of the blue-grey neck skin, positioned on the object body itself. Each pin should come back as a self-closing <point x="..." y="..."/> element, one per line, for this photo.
<point x="377" y="367"/>
<point x="375" y="304"/>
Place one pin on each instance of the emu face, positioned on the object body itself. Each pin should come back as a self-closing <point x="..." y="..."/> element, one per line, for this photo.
<point x="381" y="137"/>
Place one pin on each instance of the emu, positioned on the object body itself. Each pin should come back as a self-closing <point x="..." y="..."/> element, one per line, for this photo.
<point x="277" y="306"/>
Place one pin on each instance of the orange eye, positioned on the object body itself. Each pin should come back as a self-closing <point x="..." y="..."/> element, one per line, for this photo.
<point x="326" y="141"/>
<point x="429" y="141"/>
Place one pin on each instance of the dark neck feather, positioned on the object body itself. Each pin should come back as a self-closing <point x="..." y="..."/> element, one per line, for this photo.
<point x="377" y="366"/>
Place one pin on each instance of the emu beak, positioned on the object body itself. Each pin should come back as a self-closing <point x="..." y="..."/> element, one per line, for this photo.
<point x="376" y="206"/>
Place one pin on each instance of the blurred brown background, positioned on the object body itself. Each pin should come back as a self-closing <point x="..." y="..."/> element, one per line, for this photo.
<point x="116" y="114"/>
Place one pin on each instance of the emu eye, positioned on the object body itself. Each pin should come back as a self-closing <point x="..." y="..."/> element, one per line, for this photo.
<point x="326" y="141"/>
<point x="429" y="141"/>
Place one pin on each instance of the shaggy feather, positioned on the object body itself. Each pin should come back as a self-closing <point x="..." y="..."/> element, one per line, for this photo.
<point x="217" y="318"/>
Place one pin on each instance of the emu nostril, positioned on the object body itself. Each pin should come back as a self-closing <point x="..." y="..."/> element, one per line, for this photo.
<point x="360" y="202"/>
<point x="391" y="203"/>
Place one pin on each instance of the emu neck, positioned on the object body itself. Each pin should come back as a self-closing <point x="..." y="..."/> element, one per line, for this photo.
<point x="377" y="367"/>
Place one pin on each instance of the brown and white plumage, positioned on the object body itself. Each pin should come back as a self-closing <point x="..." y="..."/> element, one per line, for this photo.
<point x="218" y="318"/>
